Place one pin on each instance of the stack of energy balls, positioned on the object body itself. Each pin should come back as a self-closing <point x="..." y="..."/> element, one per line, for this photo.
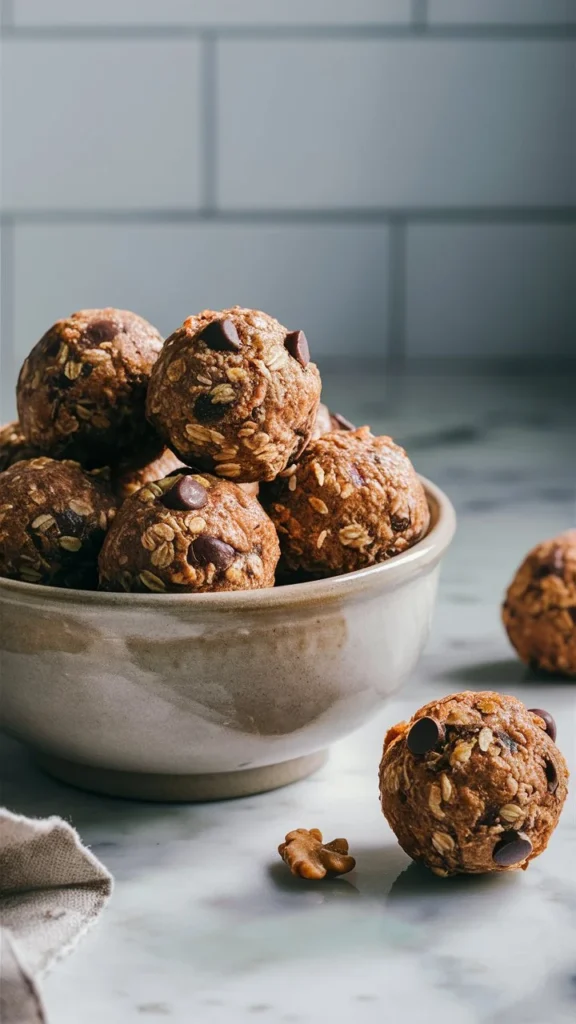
<point x="205" y="463"/>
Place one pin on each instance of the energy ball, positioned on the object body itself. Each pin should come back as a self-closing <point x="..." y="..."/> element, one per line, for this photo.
<point x="235" y="394"/>
<point x="473" y="783"/>
<point x="327" y="421"/>
<point x="189" y="533"/>
<point x="81" y="391"/>
<point x="53" y="519"/>
<point x="352" y="500"/>
<point x="539" y="611"/>
<point x="13" y="446"/>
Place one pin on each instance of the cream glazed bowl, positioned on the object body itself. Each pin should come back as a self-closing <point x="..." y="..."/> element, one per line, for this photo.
<point x="207" y="696"/>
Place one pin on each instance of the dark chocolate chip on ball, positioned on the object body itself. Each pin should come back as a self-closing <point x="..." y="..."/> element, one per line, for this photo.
<point x="424" y="735"/>
<point x="296" y="344"/>
<point x="207" y="411"/>
<point x="546" y="717"/>
<point x="186" y="494"/>
<point x="551" y="776"/>
<point x="512" y="849"/>
<point x="399" y="523"/>
<point x="101" y="330"/>
<point x="221" y="336"/>
<point x="205" y="550"/>
<point x="553" y="565"/>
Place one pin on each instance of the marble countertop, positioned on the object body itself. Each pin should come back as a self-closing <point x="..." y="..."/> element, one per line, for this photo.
<point x="207" y="925"/>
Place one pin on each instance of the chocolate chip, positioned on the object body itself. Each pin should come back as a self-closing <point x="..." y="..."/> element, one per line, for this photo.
<point x="86" y="369"/>
<point x="512" y="848"/>
<point x="507" y="741"/>
<point x="341" y="421"/>
<point x="185" y="494"/>
<point x="547" y="717"/>
<point x="221" y="336"/>
<point x="297" y="345"/>
<point x="553" y="565"/>
<point x="551" y="776"/>
<point x="69" y="522"/>
<point x="51" y="344"/>
<point x="572" y="613"/>
<point x="206" y="411"/>
<point x="101" y="330"/>
<point x="207" y="549"/>
<point x="424" y="735"/>
<point x="399" y="524"/>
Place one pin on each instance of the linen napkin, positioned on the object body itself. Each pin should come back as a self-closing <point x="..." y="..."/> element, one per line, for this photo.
<point x="51" y="890"/>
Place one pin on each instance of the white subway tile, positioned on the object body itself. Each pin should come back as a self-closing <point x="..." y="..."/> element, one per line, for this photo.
<point x="210" y="12"/>
<point x="393" y="123"/>
<point x="491" y="290"/>
<point x="501" y="12"/>
<point x="329" y="280"/>
<point x="101" y="124"/>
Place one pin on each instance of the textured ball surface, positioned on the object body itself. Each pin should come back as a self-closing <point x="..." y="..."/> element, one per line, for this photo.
<point x="472" y="783"/>
<point x="539" y="611"/>
<point x="351" y="501"/>
<point x="81" y="392"/>
<point x="235" y="393"/>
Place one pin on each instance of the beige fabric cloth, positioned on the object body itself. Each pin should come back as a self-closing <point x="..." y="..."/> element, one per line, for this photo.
<point x="51" y="890"/>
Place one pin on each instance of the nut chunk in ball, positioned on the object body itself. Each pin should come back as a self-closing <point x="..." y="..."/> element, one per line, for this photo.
<point x="189" y="532"/>
<point x="53" y="518"/>
<point x="235" y="393"/>
<point x="352" y="500"/>
<point x="539" y="612"/>
<point x="473" y="783"/>
<point x="13" y="446"/>
<point x="82" y="390"/>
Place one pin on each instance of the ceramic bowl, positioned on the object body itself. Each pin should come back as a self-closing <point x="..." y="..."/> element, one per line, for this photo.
<point x="206" y="696"/>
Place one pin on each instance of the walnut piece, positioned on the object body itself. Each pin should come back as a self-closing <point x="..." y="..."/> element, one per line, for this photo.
<point x="306" y="855"/>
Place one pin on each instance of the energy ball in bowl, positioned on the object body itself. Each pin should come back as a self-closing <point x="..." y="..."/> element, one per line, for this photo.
<point x="327" y="421"/>
<point x="235" y="393"/>
<point x="539" y="611"/>
<point x="473" y="783"/>
<point x="13" y="446"/>
<point x="81" y="391"/>
<point x="53" y="519"/>
<point x="352" y="500"/>
<point x="189" y="533"/>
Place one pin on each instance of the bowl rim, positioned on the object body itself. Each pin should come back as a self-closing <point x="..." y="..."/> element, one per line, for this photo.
<point x="384" y="576"/>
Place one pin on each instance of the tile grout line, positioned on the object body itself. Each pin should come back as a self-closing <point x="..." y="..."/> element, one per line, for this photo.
<point x="208" y="213"/>
<point x="208" y="139"/>
<point x="396" y="349"/>
<point x="7" y="299"/>
<point x="416" y="29"/>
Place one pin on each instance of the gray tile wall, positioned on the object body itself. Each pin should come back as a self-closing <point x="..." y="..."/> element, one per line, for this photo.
<point x="397" y="177"/>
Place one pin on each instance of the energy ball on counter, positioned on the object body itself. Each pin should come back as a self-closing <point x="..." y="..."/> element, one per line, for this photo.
<point x="327" y="421"/>
<point x="473" y="783"/>
<point x="352" y="500"/>
<point x="539" y="611"/>
<point x="235" y="393"/>
<point x="189" y="533"/>
<point x="53" y="519"/>
<point x="13" y="446"/>
<point x="81" y="391"/>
